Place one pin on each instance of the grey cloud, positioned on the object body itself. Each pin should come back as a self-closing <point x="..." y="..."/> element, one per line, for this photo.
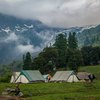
<point x="12" y="37"/>
<point x="58" y="13"/>
<point x="27" y="48"/>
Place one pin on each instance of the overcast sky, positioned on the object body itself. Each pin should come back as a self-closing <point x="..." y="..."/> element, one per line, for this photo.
<point x="58" y="13"/>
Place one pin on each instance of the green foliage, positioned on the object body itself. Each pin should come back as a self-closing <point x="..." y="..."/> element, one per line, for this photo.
<point x="6" y="76"/>
<point x="60" y="55"/>
<point x="74" y="56"/>
<point x="72" y="41"/>
<point x="27" y="61"/>
<point x="61" y="45"/>
<point x="59" y="91"/>
<point x="91" y="55"/>
<point x="61" y="42"/>
<point x="63" y="55"/>
<point x="50" y="53"/>
<point x="74" y="59"/>
<point x="42" y="62"/>
<point x="39" y="63"/>
<point x="13" y="66"/>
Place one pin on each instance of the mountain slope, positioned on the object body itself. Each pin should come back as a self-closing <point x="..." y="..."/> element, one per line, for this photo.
<point x="89" y="36"/>
<point x="18" y="36"/>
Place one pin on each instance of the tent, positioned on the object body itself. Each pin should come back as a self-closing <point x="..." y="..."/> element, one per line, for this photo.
<point x="47" y="77"/>
<point x="14" y="77"/>
<point x="29" y="76"/>
<point x="65" y="76"/>
<point x="84" y="76"/>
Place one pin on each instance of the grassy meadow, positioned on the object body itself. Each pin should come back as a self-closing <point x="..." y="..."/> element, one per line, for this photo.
<point x="61" y="91"/>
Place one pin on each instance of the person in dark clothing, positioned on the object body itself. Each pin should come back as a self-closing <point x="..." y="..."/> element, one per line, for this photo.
<point x="91" y="77"/>
<point x="17" y="90"/>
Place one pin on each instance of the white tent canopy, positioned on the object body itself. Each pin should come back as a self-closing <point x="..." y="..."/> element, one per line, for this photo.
<point x="27" y="76"/>
<point x="65" y="76"/>
<point x="14" y="77"/>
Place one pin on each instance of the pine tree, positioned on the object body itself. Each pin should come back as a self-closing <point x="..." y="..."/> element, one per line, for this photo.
<point x="72" y="41"/>
<point x="61" y="45"/>
<point x="74" y="56"/>
<point x="27" y="61"/>
<point x="46" y="60"/>
<point x="91" y="55"/>
<point x="74" y="59"/>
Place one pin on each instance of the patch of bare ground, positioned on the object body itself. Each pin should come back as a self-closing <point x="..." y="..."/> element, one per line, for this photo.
<point x="10" y="98"/>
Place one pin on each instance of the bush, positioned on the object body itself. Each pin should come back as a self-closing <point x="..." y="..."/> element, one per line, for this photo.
<point x="6" y="76"/>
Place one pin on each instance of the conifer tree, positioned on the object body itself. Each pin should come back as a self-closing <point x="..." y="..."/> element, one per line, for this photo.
<point x="72" y="41"/>
<point x="74" y="59"/>
<point x="27" y="61"/>
<point x="61" y="45"/>
<point x="74" y="56"/>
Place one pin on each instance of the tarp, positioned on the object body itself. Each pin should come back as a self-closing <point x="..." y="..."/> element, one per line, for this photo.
<point x="65" y="76"/>
<point x="33" y="75"/>
<point x="28" y="76"/>
<point x="83" y="75"/>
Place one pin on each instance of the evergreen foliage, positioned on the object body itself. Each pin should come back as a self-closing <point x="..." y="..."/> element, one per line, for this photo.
<point x="74" y="59"/>
<point x="27" y="61"/>
<point x="46" y="60"/>
<point x="6" y="76"/>
<point x="61" y="45"/>
<point x="74" y="56"/>
<point x="91" y="55"/>
<point x="72" y="41"/>
<point x="62" y="55"/>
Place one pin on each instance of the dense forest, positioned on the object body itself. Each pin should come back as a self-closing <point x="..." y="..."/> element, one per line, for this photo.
<point x="64" y="53"/>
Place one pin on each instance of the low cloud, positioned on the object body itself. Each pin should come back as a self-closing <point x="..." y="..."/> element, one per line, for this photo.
<point x="12" y="37"/>
<point x="27" y="48"/>
<point x="45" y="36"/>
<point x="57" y="13"/>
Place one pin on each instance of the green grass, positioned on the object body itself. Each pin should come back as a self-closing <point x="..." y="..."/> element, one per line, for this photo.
<point x="61" y="91"/>
<point x="92" y="69"/>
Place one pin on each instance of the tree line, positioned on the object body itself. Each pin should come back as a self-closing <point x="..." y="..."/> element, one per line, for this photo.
<point x="64" y="53"/>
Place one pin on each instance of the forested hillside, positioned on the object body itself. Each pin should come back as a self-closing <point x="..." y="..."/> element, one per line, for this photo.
<point x="89" y="37"/>
<point x="18" y="36"/>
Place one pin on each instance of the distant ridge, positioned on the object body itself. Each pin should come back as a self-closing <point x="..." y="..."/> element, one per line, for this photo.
<point x="17" y="36"/>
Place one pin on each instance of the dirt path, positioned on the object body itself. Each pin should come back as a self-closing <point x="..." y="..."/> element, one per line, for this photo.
<point x="10" y="98"/>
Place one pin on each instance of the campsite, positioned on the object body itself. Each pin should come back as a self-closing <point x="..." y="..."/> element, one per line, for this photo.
<point x="56" y="73"/>
<point x="61" y="90"/>
<point x="62" y="71"/>
<point x="49" y="49"/>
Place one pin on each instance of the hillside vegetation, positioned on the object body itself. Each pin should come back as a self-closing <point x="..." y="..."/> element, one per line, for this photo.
<point x="61" y="91"/>
<point x="89" y="36"/>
